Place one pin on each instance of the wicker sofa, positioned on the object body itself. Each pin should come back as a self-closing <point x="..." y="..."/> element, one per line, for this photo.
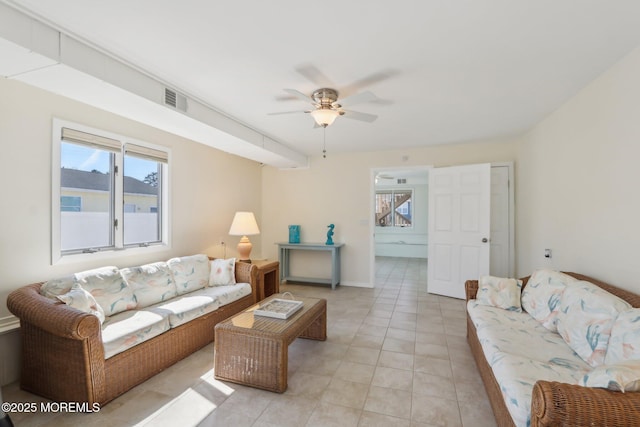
<point x="556" y="403"/>
<point x="64" y="357"/>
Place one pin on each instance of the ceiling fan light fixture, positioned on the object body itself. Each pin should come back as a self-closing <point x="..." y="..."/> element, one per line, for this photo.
<point x="324" y="116"/>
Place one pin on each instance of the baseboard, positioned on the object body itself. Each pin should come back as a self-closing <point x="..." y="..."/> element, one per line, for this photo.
<point x="357" y="284"/>
<point x="8" y="324"/>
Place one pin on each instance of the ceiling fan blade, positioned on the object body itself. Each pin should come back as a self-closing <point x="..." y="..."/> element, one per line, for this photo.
<point x="281" y="98"/>
<point x="299" y="95"/>
<point x="287" y="112"/>
<point x="369" y="80"/>
<point x="314" y="75"/>
<point x="364" y="117"/>
<point x="358" y="98"/>
<point x="381" y="101"/>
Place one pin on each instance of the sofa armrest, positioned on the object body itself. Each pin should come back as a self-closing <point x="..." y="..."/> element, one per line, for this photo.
<point x="561" y="404"/>
<point x="471" y="289"/>
<point x="248" y="273"/>
<point x="50" y="315"/>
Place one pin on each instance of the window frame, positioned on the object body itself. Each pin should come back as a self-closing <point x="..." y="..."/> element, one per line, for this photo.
<point x="58" y="256"/>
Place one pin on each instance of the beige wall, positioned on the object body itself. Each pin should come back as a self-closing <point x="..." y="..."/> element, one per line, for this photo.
<point x="339" y="190"/>
<point x="202" y="200"/>
<point x="577" y="182"/>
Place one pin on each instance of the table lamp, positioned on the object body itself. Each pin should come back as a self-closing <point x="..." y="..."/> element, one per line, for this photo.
<point x="244" y="224"/>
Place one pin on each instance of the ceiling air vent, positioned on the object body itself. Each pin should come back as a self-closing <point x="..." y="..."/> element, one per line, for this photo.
<point x="402" y="180"/>
<point x="175" y="100"/>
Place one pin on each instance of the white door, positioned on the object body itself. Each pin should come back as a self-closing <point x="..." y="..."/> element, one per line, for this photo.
<point x="459" y="226"/>
<point x="500" y="222"/>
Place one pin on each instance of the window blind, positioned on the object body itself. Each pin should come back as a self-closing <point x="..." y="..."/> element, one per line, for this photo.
<point x="91" y="140"/>
<point x="146" y="153"/>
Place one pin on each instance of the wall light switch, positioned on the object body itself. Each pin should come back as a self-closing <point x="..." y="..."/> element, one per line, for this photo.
<point x="547" y="253"/>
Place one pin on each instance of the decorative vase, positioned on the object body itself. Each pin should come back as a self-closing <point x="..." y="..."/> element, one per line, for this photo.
<point x="294" y="234"/>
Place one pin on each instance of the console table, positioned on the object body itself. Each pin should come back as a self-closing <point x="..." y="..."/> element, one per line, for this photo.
<point x="285" y="248"/>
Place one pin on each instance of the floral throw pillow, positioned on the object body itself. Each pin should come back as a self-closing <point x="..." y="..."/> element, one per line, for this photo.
<point x="190" y="273"/>
<point x="623" y="376"/>
<point x="499" y="292"/>
<point x="223" y="272"/>
<point x="55" y="287"/>
<point x="151" y="283"/>
<point x="82" y="300"/>
<point x="541" y="296"/>
<point x="624" y="343"/>
<point x="587" y="314"/>
<point x="109" y="289"/>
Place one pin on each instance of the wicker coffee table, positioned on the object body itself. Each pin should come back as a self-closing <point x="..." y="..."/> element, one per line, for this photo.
<point x="253" y="350"/>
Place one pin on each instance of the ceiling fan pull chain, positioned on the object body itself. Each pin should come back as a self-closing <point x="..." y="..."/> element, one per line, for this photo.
<point x="324" y="142"/>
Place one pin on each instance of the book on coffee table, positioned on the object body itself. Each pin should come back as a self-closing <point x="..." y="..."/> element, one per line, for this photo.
<point x="279" y="308"/>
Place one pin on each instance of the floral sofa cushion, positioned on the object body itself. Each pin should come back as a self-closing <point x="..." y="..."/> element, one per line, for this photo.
<point x="228" y="293"/>
<point x="623" y="376"/>
<point x="624" y="343"/>
<point x="541" y="296"/>
<point x="499" y="292"/>
<point x="82" y="300"/>
<point x="151" y="283"/>
<point x="185" y="308"/>
<point x="129" y="328"/>
<point x="519" y="334"/>
<point x="190" y="272"/>
<point x="59" y="286"/>
<point x="586" y="316"/>
<point x="195" y="304"/>
<point x="517" y="375"/>
<point x="109" y="289"/>
<point x="520" y="351"/>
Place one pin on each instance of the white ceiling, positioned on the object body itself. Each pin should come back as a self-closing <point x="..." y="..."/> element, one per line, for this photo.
<point x="459" y="70"/>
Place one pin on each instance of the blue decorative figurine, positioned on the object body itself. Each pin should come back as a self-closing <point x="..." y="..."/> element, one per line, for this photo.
<point x="329" y="234"/>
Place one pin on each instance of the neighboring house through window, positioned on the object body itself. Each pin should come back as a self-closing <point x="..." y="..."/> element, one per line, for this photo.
<point x="109" y="191"/>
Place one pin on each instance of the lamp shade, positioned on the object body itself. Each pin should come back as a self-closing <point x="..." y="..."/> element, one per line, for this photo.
<point x="324" y="116"/>
<point x="244" y="224"/>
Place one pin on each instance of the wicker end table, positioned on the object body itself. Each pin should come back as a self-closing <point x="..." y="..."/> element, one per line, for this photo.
<point x="253" y="350"/>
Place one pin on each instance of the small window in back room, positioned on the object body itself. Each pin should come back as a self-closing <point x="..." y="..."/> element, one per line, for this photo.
<point x="394" y="208"/>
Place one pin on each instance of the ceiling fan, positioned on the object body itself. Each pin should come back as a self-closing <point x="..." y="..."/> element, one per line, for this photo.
<point x="326" y="101"/>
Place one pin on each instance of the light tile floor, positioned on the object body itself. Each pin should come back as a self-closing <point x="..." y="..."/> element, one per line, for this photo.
<point x="395" y="356"/>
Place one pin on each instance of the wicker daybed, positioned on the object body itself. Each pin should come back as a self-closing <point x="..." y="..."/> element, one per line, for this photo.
<point x="555" y="403"/>
<point x="63" y="357"/>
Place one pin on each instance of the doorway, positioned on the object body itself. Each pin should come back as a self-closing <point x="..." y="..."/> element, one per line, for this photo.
<point x="399" y="227"/>
<point x="390" y="242"/>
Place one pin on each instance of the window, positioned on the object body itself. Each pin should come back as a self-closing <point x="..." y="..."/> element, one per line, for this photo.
<point x="109" y="192"/>
<point x="70" y="204"/>
<point x="142" y="189"/>
<point x="394" y="208"/>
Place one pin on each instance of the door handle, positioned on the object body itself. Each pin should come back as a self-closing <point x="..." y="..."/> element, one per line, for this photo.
<point x="485" y="240"/>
